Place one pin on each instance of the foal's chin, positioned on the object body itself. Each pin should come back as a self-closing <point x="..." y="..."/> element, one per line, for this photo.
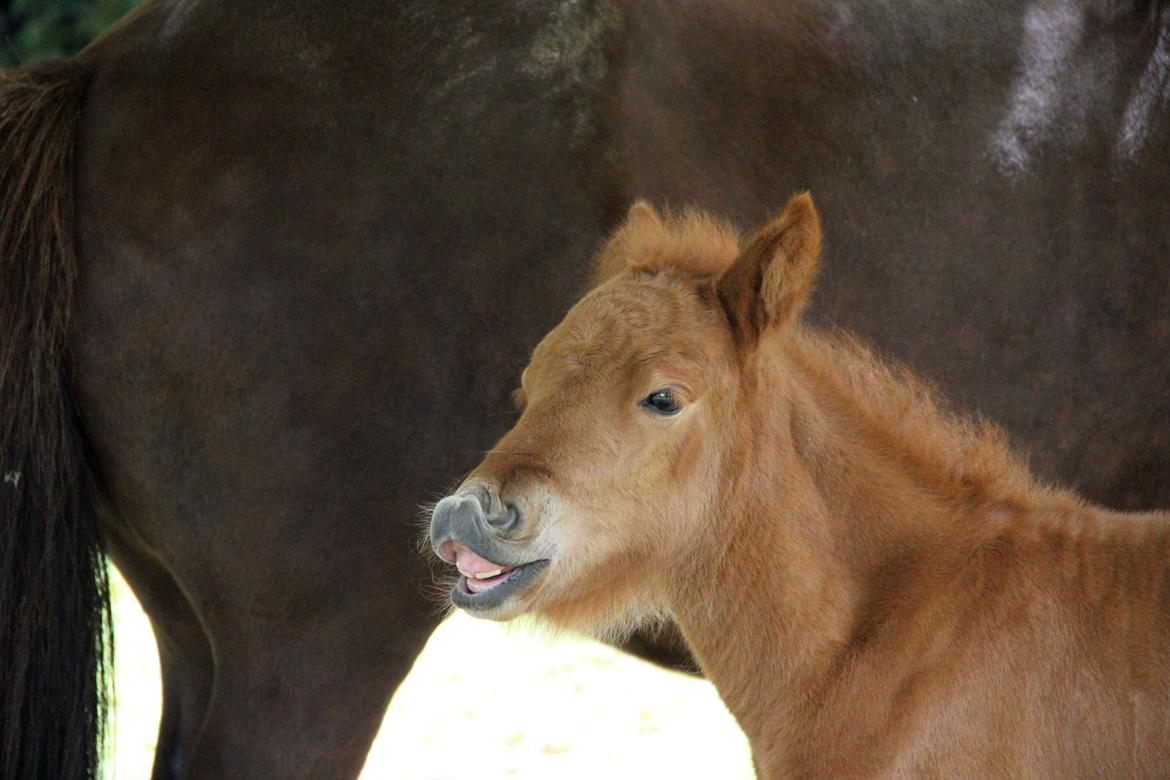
<point x="596" y="602"/>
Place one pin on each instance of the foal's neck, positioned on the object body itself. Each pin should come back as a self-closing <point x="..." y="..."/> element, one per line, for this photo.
<point x="836" y="526"/>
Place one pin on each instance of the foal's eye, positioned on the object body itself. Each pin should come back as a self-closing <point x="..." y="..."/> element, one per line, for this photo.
<point x="662" y="402"/>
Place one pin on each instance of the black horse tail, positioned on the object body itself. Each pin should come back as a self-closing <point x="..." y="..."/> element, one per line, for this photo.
<point x="55" y="637"/>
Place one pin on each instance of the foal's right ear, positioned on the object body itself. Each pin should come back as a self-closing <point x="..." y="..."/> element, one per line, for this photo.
<point x="768" y="283"/>
<point x="617" y="253"/>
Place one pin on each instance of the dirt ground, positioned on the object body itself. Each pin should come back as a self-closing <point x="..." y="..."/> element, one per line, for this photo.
<point x="530" y="707"/>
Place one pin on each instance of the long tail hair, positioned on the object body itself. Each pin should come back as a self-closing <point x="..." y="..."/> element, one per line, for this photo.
<point x="55" y="638"/>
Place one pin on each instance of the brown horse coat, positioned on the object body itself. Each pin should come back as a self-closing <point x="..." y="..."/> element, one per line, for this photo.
<point x="875" y="587"/>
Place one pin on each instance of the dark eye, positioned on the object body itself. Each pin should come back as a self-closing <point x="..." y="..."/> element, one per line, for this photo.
<point x="662" y="402"/>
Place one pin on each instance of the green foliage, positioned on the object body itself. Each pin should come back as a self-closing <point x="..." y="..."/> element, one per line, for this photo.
<point x="38" y="29"/>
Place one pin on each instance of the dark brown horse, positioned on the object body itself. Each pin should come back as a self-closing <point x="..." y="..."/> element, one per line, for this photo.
<point x="243" y="323"/>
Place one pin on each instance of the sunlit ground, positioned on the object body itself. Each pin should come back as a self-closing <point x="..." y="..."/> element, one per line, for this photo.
<point x="530" y="708"/>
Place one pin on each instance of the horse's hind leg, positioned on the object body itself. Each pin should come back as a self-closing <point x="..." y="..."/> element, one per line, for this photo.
<point x="305" y="700"/>
<point x="185" y="658"/>
<point x="184" y="654"/>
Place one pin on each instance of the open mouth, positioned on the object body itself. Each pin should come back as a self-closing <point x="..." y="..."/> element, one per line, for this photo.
<point x="484" y="585"/>
<point x="473" y="584"/>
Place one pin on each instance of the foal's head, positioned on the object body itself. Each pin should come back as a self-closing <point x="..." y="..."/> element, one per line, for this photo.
<point x="586" y="508"/>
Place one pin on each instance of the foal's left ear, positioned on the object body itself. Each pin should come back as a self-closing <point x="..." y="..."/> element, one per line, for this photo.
<point x="768" y="283"/>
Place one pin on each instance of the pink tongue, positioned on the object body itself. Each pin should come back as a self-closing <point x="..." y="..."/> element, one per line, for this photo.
<point x="470" y="563"/>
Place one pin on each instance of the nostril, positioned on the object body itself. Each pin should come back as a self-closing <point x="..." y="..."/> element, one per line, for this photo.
<point x="506" y="519"/>
<point x="501" y="515"/>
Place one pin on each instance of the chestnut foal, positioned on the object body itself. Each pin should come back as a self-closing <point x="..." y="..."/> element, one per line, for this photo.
<point x="876" y="588"/>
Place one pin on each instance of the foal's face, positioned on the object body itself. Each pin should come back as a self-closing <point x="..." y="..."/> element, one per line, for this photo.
<point x="584" y="512"/>
<point x="608" y="467"/>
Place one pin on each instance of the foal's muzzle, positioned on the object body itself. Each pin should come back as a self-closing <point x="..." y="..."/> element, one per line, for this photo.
<point x="476" y="518"/>
<point x="474" y="530"/>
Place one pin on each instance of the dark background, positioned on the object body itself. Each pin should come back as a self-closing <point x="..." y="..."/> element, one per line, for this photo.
<point x="38" y="29"/>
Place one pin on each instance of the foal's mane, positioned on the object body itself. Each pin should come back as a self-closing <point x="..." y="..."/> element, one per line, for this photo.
<point x="965" y="455"/>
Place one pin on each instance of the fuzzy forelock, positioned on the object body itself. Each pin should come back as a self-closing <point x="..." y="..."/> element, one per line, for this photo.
<point x="688" y="241"/>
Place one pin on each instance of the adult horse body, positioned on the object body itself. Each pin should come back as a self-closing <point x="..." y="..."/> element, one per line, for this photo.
<point x="876" y="588"/>
<point x="302" y="229"/>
